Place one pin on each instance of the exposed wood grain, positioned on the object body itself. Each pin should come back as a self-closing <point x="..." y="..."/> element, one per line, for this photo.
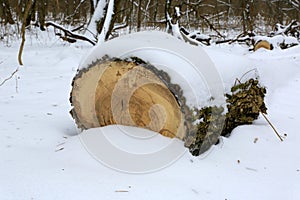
<point x="121" y="92"/>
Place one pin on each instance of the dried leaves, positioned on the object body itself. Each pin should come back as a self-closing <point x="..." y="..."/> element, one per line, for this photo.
<point x="206" y="132"/>
<point x="245" y="103"/>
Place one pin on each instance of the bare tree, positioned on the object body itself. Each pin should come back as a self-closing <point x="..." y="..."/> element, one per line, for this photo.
<point x="26" y="12"/>
<point x="102" y="21"/>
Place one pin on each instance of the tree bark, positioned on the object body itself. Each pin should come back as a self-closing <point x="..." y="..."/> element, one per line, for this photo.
<point x="27" y="9"/>
<point x="139" y="16"/>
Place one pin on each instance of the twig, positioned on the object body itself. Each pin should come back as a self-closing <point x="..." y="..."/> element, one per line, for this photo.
<point x="78" y="28"/>
<point x="17" y="91"/>
<point x="60" y="149"/>
<point x="124" y="25"/>
<point x="254" y="69"/>
<point x="2" y="83"/>
<point x="280" y="138"/>
<point x="237" y="80"/>
<point x="2" y="61"/>
<point x="269" y="122"/>
<point x="211" y="26"/>
<point x="75" y="11"/>
<point x="61" y="144"/>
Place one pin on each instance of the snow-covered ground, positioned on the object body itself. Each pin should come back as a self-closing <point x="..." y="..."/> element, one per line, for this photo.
<point x="42" y="157"/>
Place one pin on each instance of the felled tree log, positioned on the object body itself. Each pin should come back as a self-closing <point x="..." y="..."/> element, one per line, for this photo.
<point x="132" y="93"/>
<point x="263" y="44"/>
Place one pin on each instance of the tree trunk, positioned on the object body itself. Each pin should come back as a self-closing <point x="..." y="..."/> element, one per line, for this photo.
<point x="97" y="20"/>
<point x="139" y="16"/>
<point x="117" y="7"/>
<point x="167" y="16"/>
<point x="26" y="12"/>
<point x="105" y="27"/>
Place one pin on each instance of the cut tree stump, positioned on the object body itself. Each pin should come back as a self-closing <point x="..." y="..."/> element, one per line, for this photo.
<point x="114" y="91"/>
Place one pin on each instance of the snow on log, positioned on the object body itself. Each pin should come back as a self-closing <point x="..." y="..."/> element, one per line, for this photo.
<point x="277" y="41"/>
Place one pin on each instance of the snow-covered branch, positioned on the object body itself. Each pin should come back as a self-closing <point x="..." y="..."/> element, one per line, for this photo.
<point x="291" y="28"/>
<point x="99" y="25"/>
<point x="99" y="13"/>
<point x="118" y="26"/>
<point x="107" y="21"/>
<point x="241" y="38"/>
<point x="195" y="38"/>
<point x="173" y="22"/>
<point x="69" y="35"/>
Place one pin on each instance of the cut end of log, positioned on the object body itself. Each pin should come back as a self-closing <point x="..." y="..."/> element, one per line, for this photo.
<point x="263" y="44"/>
<point x="114" y="91"/>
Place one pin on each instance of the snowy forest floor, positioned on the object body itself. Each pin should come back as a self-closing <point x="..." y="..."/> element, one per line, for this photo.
<point x="41" y="156"/>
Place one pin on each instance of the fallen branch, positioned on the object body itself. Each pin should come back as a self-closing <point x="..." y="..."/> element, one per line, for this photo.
<point x="291" y="28"/>
<point x="195" y="38"/>
<point x="240" y="38"/>
<point x="9" y="77"/>
<point x="78" y="28"/>
<point x="211" y="26"/>
<point x="120" y="26"/>
<point x="69" y="35"/>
